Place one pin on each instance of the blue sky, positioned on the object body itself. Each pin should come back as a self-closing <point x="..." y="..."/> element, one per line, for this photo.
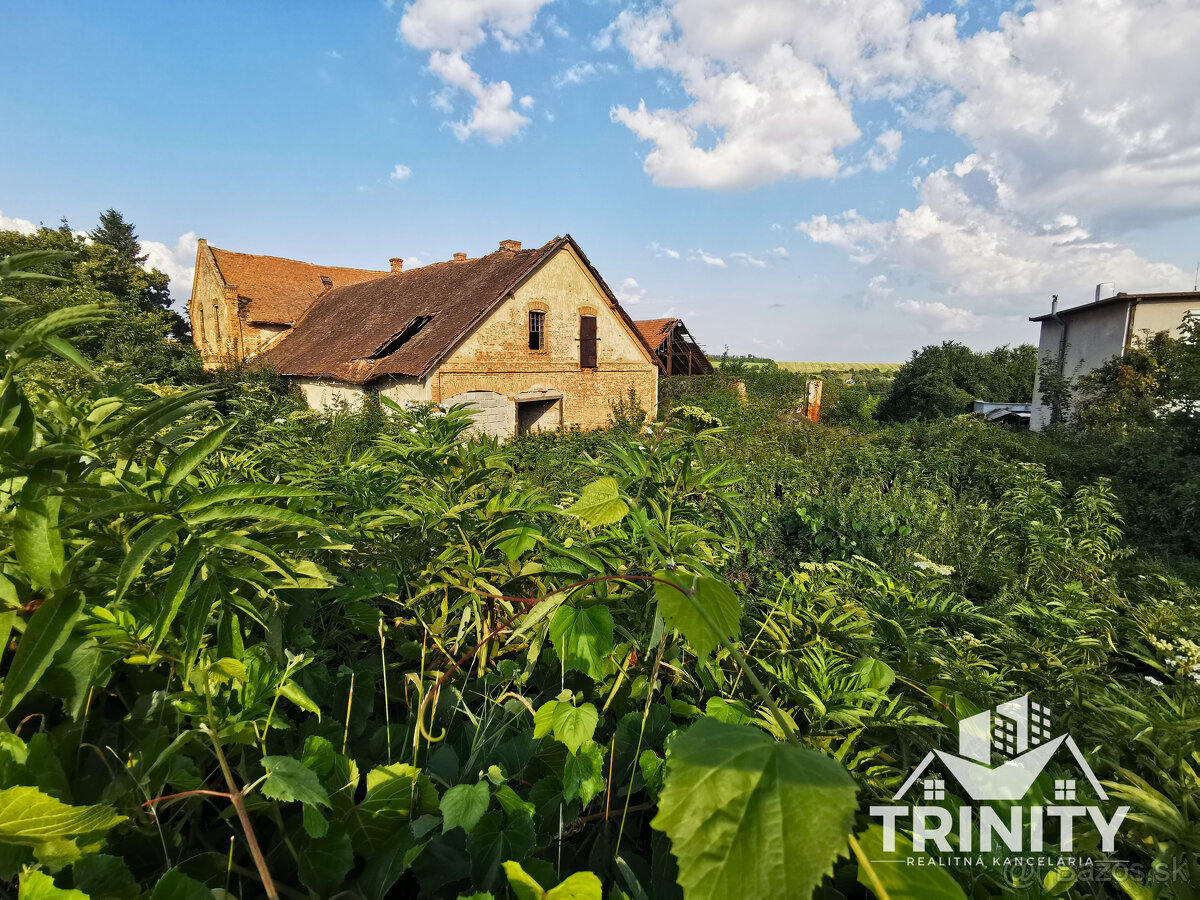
<point x="805" y="180"/>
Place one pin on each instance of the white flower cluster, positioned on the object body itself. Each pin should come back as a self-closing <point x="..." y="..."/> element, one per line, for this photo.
<point x="1181" y="654"/>
<point x="929" y="565"/>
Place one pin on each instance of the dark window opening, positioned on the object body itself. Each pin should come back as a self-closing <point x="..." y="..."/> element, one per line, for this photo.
<point x="537" y="330"/>
<point x="587" y="342"/>
<point x="400" y="338"/>
<point x="326" y="282"/>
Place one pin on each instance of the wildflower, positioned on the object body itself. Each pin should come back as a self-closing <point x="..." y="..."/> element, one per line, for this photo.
<point x="1154" y="681"/>
<point x="280" y="421"/>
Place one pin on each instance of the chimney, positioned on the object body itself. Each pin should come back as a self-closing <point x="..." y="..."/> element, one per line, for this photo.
<point x="510" y="246"/>
<point x="460" y="257"/>
<point x="1105" y="289"/>
<point x="326" y="282"/>
<point x="397" y="264"/>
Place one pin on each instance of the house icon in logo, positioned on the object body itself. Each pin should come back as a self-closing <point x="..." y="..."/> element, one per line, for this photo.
<point x="1018" y="734"/>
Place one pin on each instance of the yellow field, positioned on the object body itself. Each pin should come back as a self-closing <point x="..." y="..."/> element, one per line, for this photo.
<point x="813" y="367"/>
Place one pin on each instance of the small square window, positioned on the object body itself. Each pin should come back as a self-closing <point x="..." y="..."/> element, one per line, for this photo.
<point x="1064" y="789"/>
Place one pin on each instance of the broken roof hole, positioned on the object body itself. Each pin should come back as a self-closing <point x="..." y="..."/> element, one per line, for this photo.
<point x="401" y="337"/>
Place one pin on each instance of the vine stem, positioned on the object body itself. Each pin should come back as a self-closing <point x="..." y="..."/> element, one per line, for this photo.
<point x="864" y="865"/>
<point x="235" y="797"/>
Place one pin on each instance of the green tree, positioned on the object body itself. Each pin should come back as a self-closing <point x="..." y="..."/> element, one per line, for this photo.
<point x="113" y="231"/>
<point x="943" y="380"/>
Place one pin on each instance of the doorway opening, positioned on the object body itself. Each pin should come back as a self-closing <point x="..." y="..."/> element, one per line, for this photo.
<point x="539" y="415"/>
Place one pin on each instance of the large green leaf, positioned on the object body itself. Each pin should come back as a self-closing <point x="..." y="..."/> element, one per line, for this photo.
<point x="325" y="863"/>
<point x="245" y="492"/>
<point x="704" y="610"/>
<point x="47" y="630"/>
<point x="289" y="779"/>
<point x="396" y="794"/>
<point x="749" y="817"/>
<point x="584" y="637"/>
<point x="176" y="588"/>
<point x="464" y="805"/>
<point x="574" y="725"/>
<point x="580" y="886"/>
<point x="186" y="462"/>
<point x="897" y="875"/>
<point x="600" y="503"/>
<point x="40" y="886"/>
<point x="141" y="551"/>
<point x="174" y="885"/>
<point x="35" y="534"/>
<point x="29" y="817"/>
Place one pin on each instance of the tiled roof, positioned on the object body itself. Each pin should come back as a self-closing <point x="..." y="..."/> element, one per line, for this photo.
<point x="281" y="290"/>
<point x="654" y="331"/>
<point x="347" y="333"/>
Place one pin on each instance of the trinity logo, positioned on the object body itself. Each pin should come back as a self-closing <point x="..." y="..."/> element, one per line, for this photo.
<point x="1001" y="753"/>
<point x="1019" y="733"/>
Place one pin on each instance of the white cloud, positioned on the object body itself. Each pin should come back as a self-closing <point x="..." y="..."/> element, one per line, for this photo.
<point x="629" y="293"/>
<point x="24" y="226"/>
<point x="526" y="102"/>
<point x="781" y="253"/>
<point x="450" y="29"/>
<point x="660" y="250"/>
<point x="748" y="260"/>
<point x="178" y="262"/>
<point x="1057" y="101"/>
<point x="707" y="259"/>
<point x="400" y="172"/>
<point x="958" y="243"/>
<point x="582" y="71"/>
<point x="945" y="319"/>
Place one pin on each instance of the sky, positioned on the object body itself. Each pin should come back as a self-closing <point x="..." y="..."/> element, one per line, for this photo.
<point x="808" y="180"/>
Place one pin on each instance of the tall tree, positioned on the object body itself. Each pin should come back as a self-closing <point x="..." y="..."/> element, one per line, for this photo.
<point x="115" y="232"/>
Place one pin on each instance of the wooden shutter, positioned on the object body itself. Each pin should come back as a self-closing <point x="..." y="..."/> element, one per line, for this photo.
<point x="587" y="342"/>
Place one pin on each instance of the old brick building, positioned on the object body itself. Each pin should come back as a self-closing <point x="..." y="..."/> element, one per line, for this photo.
<point x="533" y="339"/>
<point x="241" y="302"/>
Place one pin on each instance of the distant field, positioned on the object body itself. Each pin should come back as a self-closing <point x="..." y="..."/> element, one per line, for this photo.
<point x="885" y="368"/>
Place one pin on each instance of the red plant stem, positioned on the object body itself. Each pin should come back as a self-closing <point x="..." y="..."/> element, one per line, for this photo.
<point x="189" y="794"/>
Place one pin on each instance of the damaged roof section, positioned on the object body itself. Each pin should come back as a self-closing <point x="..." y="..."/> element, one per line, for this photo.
<point x="277" y="291"/>
<point x="673" y="347"/>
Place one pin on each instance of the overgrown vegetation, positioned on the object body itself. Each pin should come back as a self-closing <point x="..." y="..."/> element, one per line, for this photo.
<point x="264" y="651"/>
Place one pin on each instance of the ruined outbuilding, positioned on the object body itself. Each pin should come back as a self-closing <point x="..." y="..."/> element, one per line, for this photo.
<point x="675" y="350"/>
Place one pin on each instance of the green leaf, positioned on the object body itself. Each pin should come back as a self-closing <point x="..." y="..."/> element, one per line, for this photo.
<point x="143" y="548"/>
<point x="575" y="725"/>
<point x="104" y="877"/>
<point x="186" y="462"/>
<point x="704" y="610"/>
<point x="580" y="886"/>
<point x="395" y="795"/>
<point x="184" y="567"/>
<point x="583" y="774"/>
<point x="896" y="875"/>
<point x="543" y="719"/>
<point x="174" y="885"/>
<point x="35" y="534"/>
<point x="584" y="637"/>
<point x="29" y="817"/>
<point x="875" y="672"/>
<point x="289" y="779"/>
<point x="464" y="805"/>
<point x="494" y="840"/>
<point x="521" y="538"/>
<point x="749" y="817"/>
<point x="296" y="694"/>
<point x="600" y="503"/>
<point x="245" y="492"/>
<point x="47" y="630"/>
<point x="523" y="885"/>
<point x="325" y="863"/>
<point x="385" y="867"/>
<point x="40" y="886"/>
<point x="258" y="511"/>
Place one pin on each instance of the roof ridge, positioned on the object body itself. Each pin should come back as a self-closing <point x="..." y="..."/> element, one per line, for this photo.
<point x="288" y="259"/>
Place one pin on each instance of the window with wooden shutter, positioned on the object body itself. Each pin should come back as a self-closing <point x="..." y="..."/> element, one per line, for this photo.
<point x="587" y="342"/>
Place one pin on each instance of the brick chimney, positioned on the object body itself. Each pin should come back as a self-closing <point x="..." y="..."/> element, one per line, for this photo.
<point x="510" y="246"/>
<point x="397" y="264"/>
<point x="460" y="257"/>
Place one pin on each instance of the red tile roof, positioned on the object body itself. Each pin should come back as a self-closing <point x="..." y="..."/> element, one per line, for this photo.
<point x="654" y="331"/>
<point x="279" y="290"/>
<point x="346" y="333"/>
